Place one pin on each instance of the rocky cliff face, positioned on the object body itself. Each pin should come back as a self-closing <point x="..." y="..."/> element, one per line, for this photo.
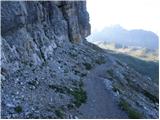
<point x="45" y="59"/>
<point x="42" y="51"/>
<point x="34" y="29"/>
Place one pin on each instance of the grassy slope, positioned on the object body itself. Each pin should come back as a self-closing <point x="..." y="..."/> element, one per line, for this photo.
<point x="147" y="68"/>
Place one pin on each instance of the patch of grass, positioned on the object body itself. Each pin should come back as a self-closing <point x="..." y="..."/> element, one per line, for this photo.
<point x="101" y="60"/>
<point x="73" y="54"/>
<point x="24" y="62"/>
<point x="151" y="97"/>
<point x="118" y="87"/>
<point x="59" y="113"/>
<point x="132" y="113"/>
<point x="111" y="73"/>
<point x="59" y="88"/>
<point x="79" y="96"/>
<point x="148" y="68"/>
<point x="70" y="106"/>
<point x="18" y="109"/>
<point x="115" y="89"/>
<point x="81" y="84"/>
<point x="83" y="74"/>
<point x="119" y="63"/>
<point x="88" y="66"/>
<point x="77" y="92"/>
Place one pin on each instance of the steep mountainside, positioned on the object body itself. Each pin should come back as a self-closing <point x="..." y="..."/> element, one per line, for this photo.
<point x="47" y="67"/>
<point x="146" y="68"/>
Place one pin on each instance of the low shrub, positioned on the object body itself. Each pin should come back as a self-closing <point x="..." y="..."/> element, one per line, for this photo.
<point x="132" y="113"/>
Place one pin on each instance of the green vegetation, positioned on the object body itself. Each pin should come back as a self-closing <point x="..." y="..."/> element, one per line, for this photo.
<point x="73" y="54"/>
<point x="132" y="113"/>
<point x="111" y="73"/>
<point x="24" y="62"/>
<point x="88" y="66"/>
<point x="70" y="106"/>
<point x="79" y="96"/>
<point x="81" y="84"/>
<point x="78" y="93"/>
<point x="115" y="89"/>
<point x="83" y="74"/>
<point x="119" y="63"/>
<point x="147" y="68"/>
<point x="59" y="88"/>
<point x="151" y="97"/>
<point x="59" y="113"/>
<point x="18" y="109"/>
<point x="101" y="60"/>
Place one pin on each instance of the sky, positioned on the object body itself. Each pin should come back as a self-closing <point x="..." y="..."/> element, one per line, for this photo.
<point x="130" y="14"/>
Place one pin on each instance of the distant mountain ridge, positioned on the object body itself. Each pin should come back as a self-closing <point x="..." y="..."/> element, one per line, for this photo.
<point x="135" y="37"/>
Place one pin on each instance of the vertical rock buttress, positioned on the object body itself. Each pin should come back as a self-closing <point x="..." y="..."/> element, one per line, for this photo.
<point x="39" y="43"/>
<point x="31" y="30"/>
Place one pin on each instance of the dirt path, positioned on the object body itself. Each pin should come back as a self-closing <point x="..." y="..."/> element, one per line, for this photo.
<point x="100" y="101"/>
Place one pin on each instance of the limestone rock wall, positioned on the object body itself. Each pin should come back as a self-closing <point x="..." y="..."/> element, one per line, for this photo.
<point x="42" y="47"/>
<point x="31" y="31"/>
<point x="62" y="14"/>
